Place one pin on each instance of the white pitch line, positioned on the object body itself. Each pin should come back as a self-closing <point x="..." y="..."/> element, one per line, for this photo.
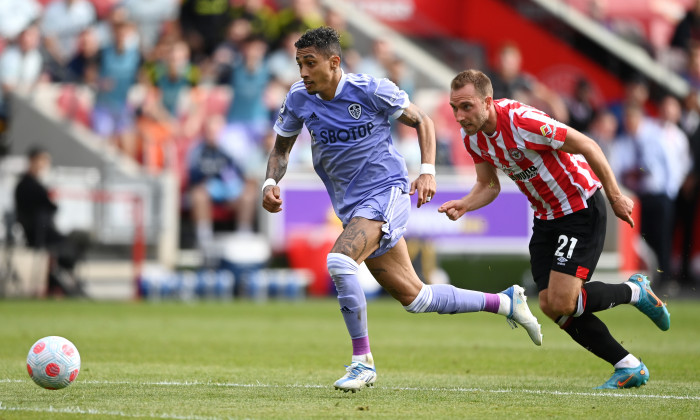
<point x="612" y="394"/>
<point x="91" y="411"/>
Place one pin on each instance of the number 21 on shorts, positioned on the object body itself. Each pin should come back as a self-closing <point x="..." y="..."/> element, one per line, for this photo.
<point x="564" y="242"/>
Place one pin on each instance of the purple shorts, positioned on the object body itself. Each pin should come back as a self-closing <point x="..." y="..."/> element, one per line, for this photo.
<point x="392" y="206"/>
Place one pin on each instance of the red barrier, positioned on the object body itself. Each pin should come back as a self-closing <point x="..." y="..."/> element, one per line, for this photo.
<point x="627" y="240"/>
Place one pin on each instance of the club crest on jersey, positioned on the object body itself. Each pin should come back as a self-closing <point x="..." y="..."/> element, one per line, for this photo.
<point x="547" y="130"/>
<point x="516" y="154"/>
<point x="355" y="111"/>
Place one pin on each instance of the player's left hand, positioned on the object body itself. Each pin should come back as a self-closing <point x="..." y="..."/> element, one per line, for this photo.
<point x="622" y="208"/>
<point x="425" y="187"/>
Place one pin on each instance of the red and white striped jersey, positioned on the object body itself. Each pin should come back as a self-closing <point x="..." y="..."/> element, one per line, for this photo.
<point x="525" y="147"/>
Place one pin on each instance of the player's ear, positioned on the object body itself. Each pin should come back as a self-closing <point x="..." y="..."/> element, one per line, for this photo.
<point x="488" y="101"/>
<point x="335" y="62"/>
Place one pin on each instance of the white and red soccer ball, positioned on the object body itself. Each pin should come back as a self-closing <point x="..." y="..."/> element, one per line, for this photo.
<point x="53" y="362"/>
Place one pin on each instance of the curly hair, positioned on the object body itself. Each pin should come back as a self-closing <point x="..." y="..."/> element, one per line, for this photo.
<point x="325" y="39"/>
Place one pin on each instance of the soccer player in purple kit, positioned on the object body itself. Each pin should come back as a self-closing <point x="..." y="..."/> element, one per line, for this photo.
<point x="349" y="117"/>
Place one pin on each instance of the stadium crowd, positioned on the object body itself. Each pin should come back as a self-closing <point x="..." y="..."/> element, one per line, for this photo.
<point x="194" y="86"/>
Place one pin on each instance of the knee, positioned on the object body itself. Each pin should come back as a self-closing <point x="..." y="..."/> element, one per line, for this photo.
<point x="199" y="195"/>
<point x="559" y="306"/>
<point x="555" y="306"/>
<point x="340" y="264"/>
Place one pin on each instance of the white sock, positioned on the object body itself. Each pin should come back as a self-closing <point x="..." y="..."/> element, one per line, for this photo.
<point x="205" y="233"/>
<point x="365" y="359"/>
<point x="505" y="305"/>
<point x="628" y="361"/>
<point x="635" y="292"/>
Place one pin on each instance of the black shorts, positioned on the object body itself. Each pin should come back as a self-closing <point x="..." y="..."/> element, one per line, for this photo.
<point x="571" y="244"/>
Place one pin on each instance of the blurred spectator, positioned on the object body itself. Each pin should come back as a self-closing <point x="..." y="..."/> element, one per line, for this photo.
<point x="298" y="17"/>
<point x="34" y="207"/>
<point x="688" y="198"/>
<point x="675" y="143"/>
<point x="261" y="17"/>
<point x="229" y="51"/>
<point x="687" y="31"/>
<point x="603" y="129"/>
<point x="377" y="63"/>
<point x="174" y="77"/>
<point x="155" y="132"/>
<point x="580" y="106"/>
<point x="401" y="75"/>
<point x="150" y="16"/>
<point x="645" y="164"/>
<point x="635" y="96"/>
<point x="204" y="24"/>
<point x="61" y="25"/>
<point x="249" y="79"/>
<point x="690" y="116"/>
<point x="35" y="212"/>
<point x="16" y="15"/>
<point x="509" y="81"/>
<point x="677" y="146"/>
<point x="282" y="62"/>
<point x="104" y="28"/>
<point x="398" y="73"/>
<point x="20" y="69"/>
<point x="112" y="117"/>
<point x="215" y="178"/>
<point x="248" y="116"/>
<point x="691" y="72"/>
<point x="84" y="66"/>
<point x="337" y="21"/>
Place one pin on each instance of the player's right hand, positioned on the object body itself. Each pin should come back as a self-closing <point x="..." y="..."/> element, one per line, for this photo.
<point x="271" y="200"/>
<point x="453" y="209"/>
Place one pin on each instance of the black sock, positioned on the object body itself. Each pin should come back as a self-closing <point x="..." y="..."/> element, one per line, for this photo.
<point x="598" y="296"/>
<point x="591" y="333"/>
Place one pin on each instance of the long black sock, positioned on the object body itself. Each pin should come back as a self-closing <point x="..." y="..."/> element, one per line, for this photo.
<point x="598" y="296"/>
<point x="591" y="333"/>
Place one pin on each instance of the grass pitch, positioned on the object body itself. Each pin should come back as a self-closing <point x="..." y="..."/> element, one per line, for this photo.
<point x="278" y="360"/>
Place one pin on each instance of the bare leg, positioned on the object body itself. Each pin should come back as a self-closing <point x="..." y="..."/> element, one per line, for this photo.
<point x="245" y="206"/>
<point x="394" y="272"/>
<point x="201" y="214"/>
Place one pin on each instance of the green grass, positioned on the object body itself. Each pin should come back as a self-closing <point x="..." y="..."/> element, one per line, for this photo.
<point x="278" y="360"/>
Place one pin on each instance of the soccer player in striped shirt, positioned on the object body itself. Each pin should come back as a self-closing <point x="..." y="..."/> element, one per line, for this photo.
<point x="561" y="171"/>
<point x="348" y="117"/>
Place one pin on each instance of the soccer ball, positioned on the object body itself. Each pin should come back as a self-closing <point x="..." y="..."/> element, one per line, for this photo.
<point x="53" y="362"/>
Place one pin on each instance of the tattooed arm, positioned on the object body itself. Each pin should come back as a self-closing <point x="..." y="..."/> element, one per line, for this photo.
<point x="416" y="118"/>
<point x="276" y="168"/>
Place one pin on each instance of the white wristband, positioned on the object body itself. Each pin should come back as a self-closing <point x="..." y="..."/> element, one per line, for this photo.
<point x="268" y="181"/>
<point x="427" y="168"/>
